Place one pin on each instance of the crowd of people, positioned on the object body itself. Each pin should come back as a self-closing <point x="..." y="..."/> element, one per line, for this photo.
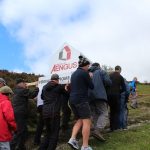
<point x="94" y="96"/>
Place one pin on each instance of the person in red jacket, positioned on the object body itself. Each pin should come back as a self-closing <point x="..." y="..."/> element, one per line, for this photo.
<point x="7" y="120"/>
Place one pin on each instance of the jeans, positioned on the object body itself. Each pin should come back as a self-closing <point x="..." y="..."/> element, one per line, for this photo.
<point x="4" y="146"/>
<point x="123" y="111"/>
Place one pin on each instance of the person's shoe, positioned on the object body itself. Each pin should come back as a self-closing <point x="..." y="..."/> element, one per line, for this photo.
<point x="98" y="135"/>
<point x="86" y="148"/>
<point x="73" y="143"/>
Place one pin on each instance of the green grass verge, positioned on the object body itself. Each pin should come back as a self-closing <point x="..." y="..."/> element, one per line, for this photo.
<point x="143" y="89"/>
<point x="135" y="139"/>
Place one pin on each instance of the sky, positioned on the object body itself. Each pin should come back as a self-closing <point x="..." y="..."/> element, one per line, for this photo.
<point x="109" y="32"/>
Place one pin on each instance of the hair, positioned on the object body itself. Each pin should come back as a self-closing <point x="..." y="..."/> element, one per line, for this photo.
<point x="80" y="57"/>
<point x="135" y="78"/>
<point x="117" y="68"/>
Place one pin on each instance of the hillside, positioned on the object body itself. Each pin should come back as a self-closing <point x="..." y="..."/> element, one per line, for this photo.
<point x="11" y="77"/>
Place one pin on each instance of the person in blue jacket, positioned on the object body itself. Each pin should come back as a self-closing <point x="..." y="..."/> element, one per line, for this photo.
<point x="133" y="92"/>
<point x="98" y="97"/>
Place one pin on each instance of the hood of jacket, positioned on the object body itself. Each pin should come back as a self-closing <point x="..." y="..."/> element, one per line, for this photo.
<point x="93" y="68"/>
<point x="3" y="98"/>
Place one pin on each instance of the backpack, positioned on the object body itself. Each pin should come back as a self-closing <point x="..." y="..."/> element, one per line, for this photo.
<point x="132" y="85"/>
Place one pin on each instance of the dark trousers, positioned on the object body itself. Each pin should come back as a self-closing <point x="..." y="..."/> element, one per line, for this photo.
<point x="52" y="133"/>
<point x="20" y="136"/>
<point x="66" y="113"/>
<point x="40" y="126"/>
<point x="115" y="109"/>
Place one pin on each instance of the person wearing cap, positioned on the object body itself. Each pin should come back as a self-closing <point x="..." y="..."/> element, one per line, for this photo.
<point x="51" y="95"/>
<point x="115" y="91"/>
<point x="7" y="119"/>
<point x="2" y="82"/>
<point x="80" y="83"/>
<point x="99" y="100"/>
<point x="20" y="104"/>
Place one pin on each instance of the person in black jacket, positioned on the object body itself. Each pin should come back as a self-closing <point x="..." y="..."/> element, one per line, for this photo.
<point x="20" y="104"/>
<point x="51" y="95"/>
<point x="118" y="87"/>
<point x="80" y="83"/>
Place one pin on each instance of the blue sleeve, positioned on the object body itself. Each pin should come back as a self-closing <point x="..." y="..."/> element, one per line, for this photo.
<point x="127" y="88"/>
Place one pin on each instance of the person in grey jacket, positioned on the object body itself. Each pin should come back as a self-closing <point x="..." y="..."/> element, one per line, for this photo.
<point x="98" y="97"/>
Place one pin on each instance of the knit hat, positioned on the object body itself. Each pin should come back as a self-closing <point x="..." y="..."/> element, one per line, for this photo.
<point x="2" y="81"/>
<point x="83" y="61"/>
<point x="6" y="90"/>
<point x="19" y="80"/>
<point x="55" y="77"/>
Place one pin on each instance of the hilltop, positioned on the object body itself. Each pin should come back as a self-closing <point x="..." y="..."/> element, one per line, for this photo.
<point x="11" y="77"/>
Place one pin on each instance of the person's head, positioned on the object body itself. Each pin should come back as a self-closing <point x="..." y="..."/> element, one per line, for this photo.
<point x="2" y="82"/>
<point x="118" y="69"/>
<point x="135" y="79"/>
<point x="6" y="90"/>
<point x="21" y="83"/>
<point x="96" y="65"/>
<point x="83" y="63"/>
<point x="55" y="78"/>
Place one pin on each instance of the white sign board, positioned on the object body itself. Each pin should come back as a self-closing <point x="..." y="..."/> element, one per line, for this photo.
<point x="63" y="63"/>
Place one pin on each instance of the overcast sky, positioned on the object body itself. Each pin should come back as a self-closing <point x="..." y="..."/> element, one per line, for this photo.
<point x="111" y="32"/>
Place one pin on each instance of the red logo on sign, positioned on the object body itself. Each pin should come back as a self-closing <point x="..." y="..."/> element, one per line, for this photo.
<point x="65" y="54"/>
<point x="64" y="67"/>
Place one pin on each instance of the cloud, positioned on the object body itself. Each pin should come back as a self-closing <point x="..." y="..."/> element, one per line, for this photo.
<point x="17" y="71"/>
<point x="110" y="32"/>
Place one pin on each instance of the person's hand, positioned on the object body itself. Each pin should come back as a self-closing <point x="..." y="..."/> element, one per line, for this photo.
<point x="66" y="87"/>
<point x="91" y="74"/>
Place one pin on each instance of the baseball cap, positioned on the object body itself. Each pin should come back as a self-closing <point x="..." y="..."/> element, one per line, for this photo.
<point x="55" y="77"/>
<point x="6" y="90"/>
<point x="2" y="81"/>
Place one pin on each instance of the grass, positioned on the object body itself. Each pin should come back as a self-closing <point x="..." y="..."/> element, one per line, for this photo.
<point x="135" y="139"/>
<point x="143" y="89"/>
